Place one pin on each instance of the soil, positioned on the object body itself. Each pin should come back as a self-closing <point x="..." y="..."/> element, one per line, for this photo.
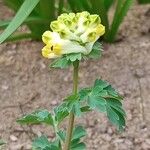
<point x="26" y="83"/>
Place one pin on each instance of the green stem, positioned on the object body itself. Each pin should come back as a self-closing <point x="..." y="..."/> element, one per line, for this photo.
<point x="71" y="116"/>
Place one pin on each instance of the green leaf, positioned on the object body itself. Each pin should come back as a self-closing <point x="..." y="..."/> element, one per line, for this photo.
<point x="21" y="36"/>
<point x="73" y="104"/>
<point x="37" y="117"/>
<point x="29" y="20"/>
<point x="61" y="112"/>
<point x="121" y="11"/>
<point x="76" y="109"/>
<point x="117" y="105"/>
<point x="78" y="133"/>
<point x="21" y="15"/>
<point x="85" y="109"/>
<point x="62" y="135"/>
<point x="79" y="146"/>
<point x="101" y="83"/>
<point x="13" y="4"/>
<point x="106" y="99"/>
<point x="61" y="5"/>
<point x="61" y="63"/>
<point x="97" y="102"/>
<point x="74" y="56"/>
<point x="2" y="142"/>
<point x="42" y="143"/>
<point x="116" y="118"/>
<point x="144" y="1"/>
<point x="108" y="4"/>
<point x="96" y="51"/>
<point x="83" y="93"/>
<point x="113" y="93"/>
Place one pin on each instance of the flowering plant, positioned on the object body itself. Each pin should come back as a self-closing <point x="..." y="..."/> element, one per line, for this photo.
<point x="74" y="37"/>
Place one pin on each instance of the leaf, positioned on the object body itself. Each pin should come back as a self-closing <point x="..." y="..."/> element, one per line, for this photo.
<point x="144" y="1"/>
<point x="106" y="99"/>
<point x="73" y="104"/>
<point x="76" y="109"/>
<point x="74" y="56"/>
<point x="42" y="143"/>
<point x="96" y="90"/>
<point x="113" y="93"/>
<point x="2" y="142"/>
<point x="62" y="135"/>
<point x="108" y="4"/>
<point x="97" y="102"/>
<point x="37" y="117"/>
<point x="85" y="109"/>
<point x="61" y="63"/>
<point x="13" y="4"/>
<point x="78" y="133"/>
<point x="29" y="20"/>
<point x="116" y="118"/>
<point x="83" y="93"/>
<point x="96" y="51"/>
<point x="21" y="15"/>
<point x="79" y="146"/>
<point x="117" y="105"/>
<point x="61" y="112"/>
<point x="101" y="83"/>
<point x="121" y="11"/>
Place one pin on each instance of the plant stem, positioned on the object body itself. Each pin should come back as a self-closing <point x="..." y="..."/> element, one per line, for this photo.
<point x="71" y="116"/>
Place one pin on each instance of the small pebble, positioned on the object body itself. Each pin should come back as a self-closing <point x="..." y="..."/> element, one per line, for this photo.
<point x="13" y="138"/>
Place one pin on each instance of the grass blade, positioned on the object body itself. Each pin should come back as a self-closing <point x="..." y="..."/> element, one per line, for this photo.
<point x="118" y="18"/>
<point x="72" y="5"/>
<point x="21" y="15"/>
<point x="108" y="4"/>
<point x="77" y="5"/>
<point x="85" y="5"/>
<point x="17" y="37"/>
<point x="60" y="6"/>
<point x="29" y="20"/>
<point x="144" y="1"/>
<point x="47" y="9"/>
<point x="13" y="4"/>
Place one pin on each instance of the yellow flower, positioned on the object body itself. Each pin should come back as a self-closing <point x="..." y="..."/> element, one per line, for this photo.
<point x="72" y="33"/>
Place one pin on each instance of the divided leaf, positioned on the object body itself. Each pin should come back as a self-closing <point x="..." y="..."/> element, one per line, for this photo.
<point x="37" y="117"/>
<point x="78" y="133"/>
<point x="42" y="143"/>
<point x="105" y="98"/>
<point x="61" y="63"/>
<point x="61" y="112"/>
<point x="73" y="104"/>
<point x="96" y="51"/>
<point x="74" y="56"/>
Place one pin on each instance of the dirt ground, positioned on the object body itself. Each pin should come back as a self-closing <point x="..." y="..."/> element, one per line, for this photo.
<point x="26" y="83"/>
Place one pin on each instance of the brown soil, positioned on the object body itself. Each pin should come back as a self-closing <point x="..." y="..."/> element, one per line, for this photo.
<point x="26" y="83"/>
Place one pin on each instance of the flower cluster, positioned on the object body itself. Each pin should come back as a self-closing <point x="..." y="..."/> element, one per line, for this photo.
<point x="72" y="33"/>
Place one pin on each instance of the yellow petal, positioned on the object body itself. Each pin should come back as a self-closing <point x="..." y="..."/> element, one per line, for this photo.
<point x="47" y="37"/>
<point x="100" y="30"/>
